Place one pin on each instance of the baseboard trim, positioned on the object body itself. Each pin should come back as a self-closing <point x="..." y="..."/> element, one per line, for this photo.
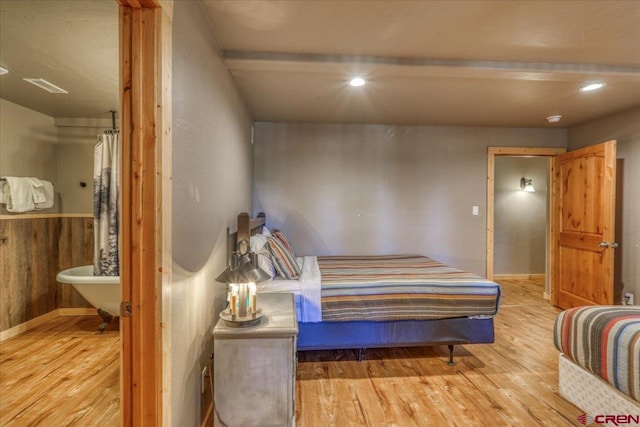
<point x="30" y="324"/>
<point x="77" y="311"/>
<point x="519" y="276"/>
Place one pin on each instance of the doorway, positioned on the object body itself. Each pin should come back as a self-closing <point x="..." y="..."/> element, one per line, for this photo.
<point x="514" y="200"/>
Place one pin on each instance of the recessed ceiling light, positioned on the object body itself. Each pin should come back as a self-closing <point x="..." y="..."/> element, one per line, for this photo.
<point x="554" y="119"/>
<point x="3" y="71"/>
<point x="357" y="81"/>
<point x="592" y="86"/>
<point x="48" y="86"/>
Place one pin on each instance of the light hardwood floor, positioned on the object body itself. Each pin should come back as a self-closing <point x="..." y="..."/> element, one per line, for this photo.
<point x="62" y="373"/>
<point x="512" y="382"/>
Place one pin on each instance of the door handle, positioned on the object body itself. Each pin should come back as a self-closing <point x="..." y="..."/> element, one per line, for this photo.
<point x="603" y="244"/>
<point x="614" y="245"/>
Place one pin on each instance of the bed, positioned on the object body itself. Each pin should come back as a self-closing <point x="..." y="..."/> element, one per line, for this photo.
<point x="358" y="302"/>
<point x="599" y="362"/>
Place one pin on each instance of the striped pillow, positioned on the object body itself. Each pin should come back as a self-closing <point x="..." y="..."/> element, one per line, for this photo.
<point x="280" y="236"/>
<point x="283" y="259"/>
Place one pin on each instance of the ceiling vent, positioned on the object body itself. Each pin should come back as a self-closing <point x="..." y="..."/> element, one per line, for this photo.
<point x="43" y="84"/>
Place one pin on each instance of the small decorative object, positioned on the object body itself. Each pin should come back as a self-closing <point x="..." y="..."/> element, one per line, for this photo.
<point x="241" y="277"/>
<point x="527" y="185"/>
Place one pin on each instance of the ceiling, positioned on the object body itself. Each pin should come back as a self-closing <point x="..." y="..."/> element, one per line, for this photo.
<point x="482" y="63"/>
<point x="506" y="63"/>
<point x="75" y="48"/>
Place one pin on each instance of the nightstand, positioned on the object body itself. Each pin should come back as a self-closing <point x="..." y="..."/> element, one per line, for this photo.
<point x="255" y="367"/>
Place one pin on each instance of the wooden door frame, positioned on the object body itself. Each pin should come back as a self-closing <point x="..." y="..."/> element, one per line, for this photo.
<point x="494" y="152"/>
<point x="145" y="256"/>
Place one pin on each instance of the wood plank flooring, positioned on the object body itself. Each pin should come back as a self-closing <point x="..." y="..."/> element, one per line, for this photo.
<point x="62" y="373"/>
<point x="513" y="382"/>
<point x="66" y="374"/>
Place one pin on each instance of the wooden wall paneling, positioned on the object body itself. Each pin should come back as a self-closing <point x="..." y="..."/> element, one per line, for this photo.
<point x="18" y="272"/>
<point x="64" y="291"/>
<point x="4" y="274"/>
<point x="32" y="252"/>
<point x="7" y="252"/>
<point x="75" y="248"/>
<point x="53" y="244"/>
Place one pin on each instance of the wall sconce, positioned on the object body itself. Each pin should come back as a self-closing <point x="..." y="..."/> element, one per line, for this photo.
<point x="527" y="185"/>
<point x="241" y="277"/>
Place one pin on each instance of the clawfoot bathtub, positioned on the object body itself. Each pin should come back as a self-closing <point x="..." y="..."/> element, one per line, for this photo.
<point x="103" y="292"/>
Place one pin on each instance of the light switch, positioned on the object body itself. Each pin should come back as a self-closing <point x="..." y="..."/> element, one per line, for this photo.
<point x="474" y="210"/>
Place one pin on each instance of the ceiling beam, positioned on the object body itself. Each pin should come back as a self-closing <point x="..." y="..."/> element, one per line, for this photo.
<point x="276" y="61"/>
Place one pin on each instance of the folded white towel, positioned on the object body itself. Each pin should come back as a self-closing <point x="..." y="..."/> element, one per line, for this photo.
<point x="20" y="194"/>
<point x="42" y="193"/>
<point x="5" y="195"/>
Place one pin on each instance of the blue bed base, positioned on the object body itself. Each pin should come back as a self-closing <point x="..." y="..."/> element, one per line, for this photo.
<point x="401" y="333"/>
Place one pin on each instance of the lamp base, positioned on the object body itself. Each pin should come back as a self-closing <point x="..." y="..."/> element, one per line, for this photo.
<point x="236" y="321"/>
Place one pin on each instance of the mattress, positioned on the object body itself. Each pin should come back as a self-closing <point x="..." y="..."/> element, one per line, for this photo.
<point x="306" y="289"/>
<point x="604" y="340"/>
<point x="401" y="287"/>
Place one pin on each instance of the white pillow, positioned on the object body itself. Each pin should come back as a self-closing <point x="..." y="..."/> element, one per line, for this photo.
<point x="265" y="231"/>
<point x="258" y="245"/>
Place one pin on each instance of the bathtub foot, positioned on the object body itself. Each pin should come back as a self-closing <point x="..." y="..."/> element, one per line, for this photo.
<point x="106" y="319"/>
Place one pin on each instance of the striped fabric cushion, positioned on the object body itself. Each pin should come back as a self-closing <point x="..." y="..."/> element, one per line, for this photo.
<point x="280" y="236"/>
<point x="283" y="259"/>
<point x="605" y="340"/>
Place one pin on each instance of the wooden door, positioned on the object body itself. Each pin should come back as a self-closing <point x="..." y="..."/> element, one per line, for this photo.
<point x="584" y="191"/>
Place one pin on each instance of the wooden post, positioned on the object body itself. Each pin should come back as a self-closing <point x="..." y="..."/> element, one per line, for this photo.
<point x="145" y="83"/>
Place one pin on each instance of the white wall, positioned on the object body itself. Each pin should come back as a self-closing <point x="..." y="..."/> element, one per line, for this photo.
<point x="75" y="163"/>
<point x="520" y="218"/>
<point x="372" y="189"/>
<point x="625" y="128"/>
<point x="34" y="144"/>
<point x="28" y="145"/>
<point x="212" y="176"/>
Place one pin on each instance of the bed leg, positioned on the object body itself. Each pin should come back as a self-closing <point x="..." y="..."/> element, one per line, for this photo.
<point x="361" y="354"/>
<point x="451" y="362"/>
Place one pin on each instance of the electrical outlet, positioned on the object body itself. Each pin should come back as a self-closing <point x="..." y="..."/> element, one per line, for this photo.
<point x="203" y="379"/>
<point x="627" y="299"/>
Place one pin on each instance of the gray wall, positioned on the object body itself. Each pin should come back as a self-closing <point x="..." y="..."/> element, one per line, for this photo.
<point x="34" y="144"/>
<point x="625" y="128"/>
<point x="373" y="189"/>
<point x="212" y="175"/>
<point x="28" y="146"/>
<point x="520" y="218"/>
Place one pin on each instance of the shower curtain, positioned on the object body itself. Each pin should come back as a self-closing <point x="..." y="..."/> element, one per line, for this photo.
<point x="106" y="186"/>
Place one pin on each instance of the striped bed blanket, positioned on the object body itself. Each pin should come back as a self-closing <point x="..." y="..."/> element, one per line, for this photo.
<point x="604" y="340"/>
<point x="401" y="287"/>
